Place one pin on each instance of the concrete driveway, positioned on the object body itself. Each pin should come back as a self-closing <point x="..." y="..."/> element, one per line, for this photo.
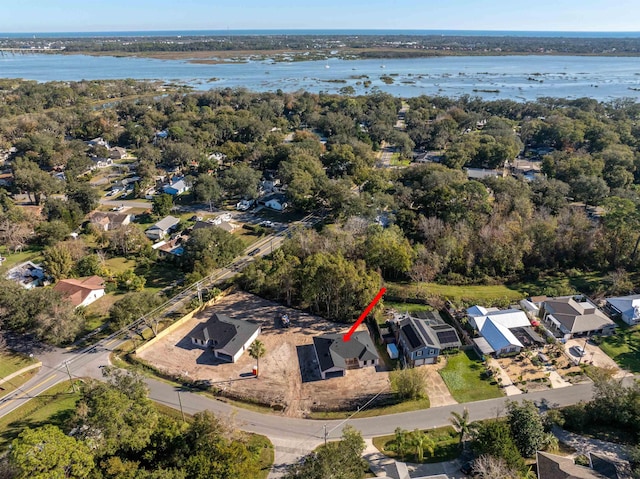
<point x="593" y="355"/>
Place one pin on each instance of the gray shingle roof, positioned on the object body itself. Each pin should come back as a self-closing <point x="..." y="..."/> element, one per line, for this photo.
<point x="225" y="332"/>
<point x="332" y="351"/>
<point x="166" y="223"/>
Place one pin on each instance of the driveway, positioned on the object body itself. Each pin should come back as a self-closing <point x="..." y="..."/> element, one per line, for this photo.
<point x="593" y="355"/>
<point x="437" y="390"/>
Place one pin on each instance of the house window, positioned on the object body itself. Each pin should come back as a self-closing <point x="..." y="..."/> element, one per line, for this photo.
<point x="432" y="352"/>
<point x="419" y="353"/>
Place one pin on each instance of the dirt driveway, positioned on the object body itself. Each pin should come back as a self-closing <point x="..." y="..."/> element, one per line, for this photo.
<point x="593" y="355"/>
<point x="289" y="375"/>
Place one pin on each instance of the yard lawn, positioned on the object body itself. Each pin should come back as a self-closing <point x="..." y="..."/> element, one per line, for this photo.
<point x="472" y="294"/>
<point x="462" y="377"/>
<point x="446" y="439"/>
<point x="247" y="237"/>
<point x="11" y="362"/>
<point x="55" y="408"/>
<point x="119" y="264"/>
<point x="97" y="313"/>
<point x="397" y="161"/>
<point x="407" y="307"/>
<point x="12" y="259"/>
<point x="161" y="275"/>
<point x="624" y="348"/>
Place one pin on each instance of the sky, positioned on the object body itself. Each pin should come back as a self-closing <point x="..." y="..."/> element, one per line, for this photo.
<point x="133" y="15"/>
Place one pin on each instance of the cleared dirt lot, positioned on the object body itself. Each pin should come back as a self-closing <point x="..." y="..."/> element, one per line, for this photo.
<point x="288" y="372"/>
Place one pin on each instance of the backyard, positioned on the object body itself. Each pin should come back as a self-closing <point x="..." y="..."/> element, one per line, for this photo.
<point x="463" y="375"/>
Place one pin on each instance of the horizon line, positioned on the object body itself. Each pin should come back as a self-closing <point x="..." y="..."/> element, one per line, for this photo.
<point x="316" y="29"/>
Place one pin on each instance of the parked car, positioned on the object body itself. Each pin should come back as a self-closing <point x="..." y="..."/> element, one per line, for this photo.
<point x="579" y="350"/>
<point x="468" y="469"/>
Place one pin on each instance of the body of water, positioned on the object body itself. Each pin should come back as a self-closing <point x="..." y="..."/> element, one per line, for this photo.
<point x="513" y="77"/>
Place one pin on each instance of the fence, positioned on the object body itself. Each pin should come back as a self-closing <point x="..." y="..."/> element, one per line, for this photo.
<point x="187" y="317"/>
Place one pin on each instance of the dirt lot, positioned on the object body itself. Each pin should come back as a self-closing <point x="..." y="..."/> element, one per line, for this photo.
<point x="289" y="375"/>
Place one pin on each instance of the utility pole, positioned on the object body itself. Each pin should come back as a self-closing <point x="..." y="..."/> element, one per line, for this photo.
<point x="199" y="292"/>
<point x="584" y="350"/>
<point x="73" y="385"/>
<point x="325" y="435"/>
<point x="181" y="410"/>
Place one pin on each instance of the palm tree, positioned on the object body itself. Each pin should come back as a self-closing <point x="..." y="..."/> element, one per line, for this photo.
<point x="462" y="425"/>
<point x="422" y="443"/>
<point x="256" y="351"/>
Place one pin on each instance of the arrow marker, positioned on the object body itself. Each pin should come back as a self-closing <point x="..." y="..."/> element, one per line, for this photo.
<point x="347" y="337"/>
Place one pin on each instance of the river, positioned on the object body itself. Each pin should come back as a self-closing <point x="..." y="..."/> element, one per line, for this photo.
<point x="499" y="77"/>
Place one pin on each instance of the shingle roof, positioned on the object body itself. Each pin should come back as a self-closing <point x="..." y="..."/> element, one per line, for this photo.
<point x="225" y="332"/>
<point x="551" y="466"/>
<point x="332" y="351"/>
<point x="166" y="223"/>
<point x="577" y="317"/>
<point x="77" y="290"/>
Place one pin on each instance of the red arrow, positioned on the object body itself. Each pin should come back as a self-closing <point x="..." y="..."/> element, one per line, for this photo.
<point x="347" y="337"/>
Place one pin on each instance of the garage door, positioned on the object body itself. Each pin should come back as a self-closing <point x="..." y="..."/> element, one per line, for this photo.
<point x="224" y="357"/>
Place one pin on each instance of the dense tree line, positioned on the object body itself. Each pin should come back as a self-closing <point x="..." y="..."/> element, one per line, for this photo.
<point x="436" y="225"/>
<point x="359" y="45"/>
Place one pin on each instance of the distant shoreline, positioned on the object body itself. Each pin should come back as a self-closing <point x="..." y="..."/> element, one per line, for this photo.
<point x="240" y="56"/>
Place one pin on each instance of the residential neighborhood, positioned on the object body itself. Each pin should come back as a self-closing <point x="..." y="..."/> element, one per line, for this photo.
<point x="445" y="288"/>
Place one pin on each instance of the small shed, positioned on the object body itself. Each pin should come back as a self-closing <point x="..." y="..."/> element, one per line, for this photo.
<point x="392" y="349"/>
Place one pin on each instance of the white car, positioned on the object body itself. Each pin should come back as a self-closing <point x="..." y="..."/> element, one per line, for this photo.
<point x="579" y="350"/>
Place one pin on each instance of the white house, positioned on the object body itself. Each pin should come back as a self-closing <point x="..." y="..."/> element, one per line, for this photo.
<point x="176" y="188"/>
<point x="496" y="330"/>
<point x="28" y="275"/>
<point x="227" y="337"/>
<point x="628" y="307"/>
<point x="275" y="201"/>
<point x="81" y="291"/>
<point x="162" y="228"/>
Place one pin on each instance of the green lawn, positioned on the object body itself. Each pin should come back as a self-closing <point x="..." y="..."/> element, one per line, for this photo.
<point x="33" y="253"/>
<point x="462" y="377"/>
<point x="12" y="362"/>
<point x="397" y="161"/>
<point x="624" y="348"/>
<point x="447" y="445"/>
<point x="119" y="264"/>
<point x="407" y="307"/>
<point x="472" y="294"/>
<point x="55" y="406"/>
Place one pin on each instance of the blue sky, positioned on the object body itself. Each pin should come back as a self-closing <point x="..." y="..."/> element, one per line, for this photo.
<point x="120" y="15"/>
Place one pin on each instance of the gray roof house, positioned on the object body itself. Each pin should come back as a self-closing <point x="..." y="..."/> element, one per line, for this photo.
<point x="551" y="466"/>
<point x="421" y="342"/>
<point x="227" y="337"/>
<point x="162" y="227"/>
<point x="335" y="356"/>
<point x="575" y="316"/>
<point x="627" y="307"/>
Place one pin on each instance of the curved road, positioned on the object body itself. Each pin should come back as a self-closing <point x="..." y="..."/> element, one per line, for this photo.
<point x="292" y="437"/>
